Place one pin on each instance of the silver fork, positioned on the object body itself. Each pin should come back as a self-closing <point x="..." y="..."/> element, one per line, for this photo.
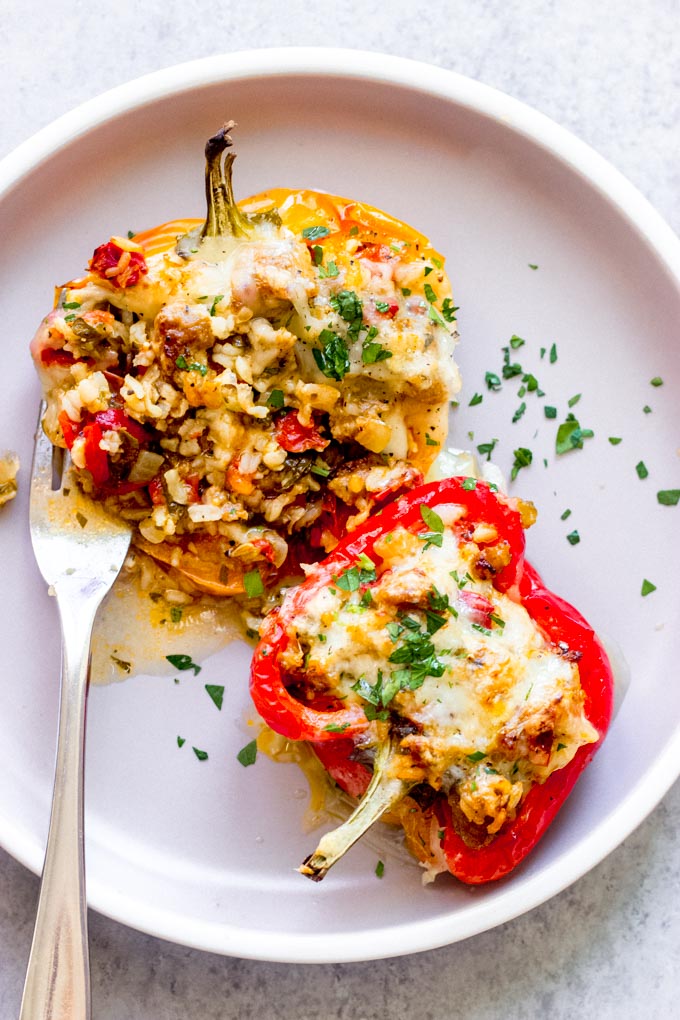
<point x="80" y="551"/>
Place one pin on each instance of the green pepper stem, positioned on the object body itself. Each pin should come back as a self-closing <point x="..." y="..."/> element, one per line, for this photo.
<point x="224" y="216"/>
<point x="384" y="791"/>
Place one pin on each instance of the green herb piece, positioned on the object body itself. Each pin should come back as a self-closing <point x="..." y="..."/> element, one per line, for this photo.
<point x="317" y="255"/>
<point x="574" y="400"/>
<point x="429" y="441"/>
<point x="252" y="582"/>
<point x="449" y="310"/>
<point x="565" y="515"/>
<point x="561" y="747"/>
<point x="550" y="412"/>
<point x="373" y="352"/>
<point x="216" y="692"/>
<point x="553" y="354"/>
<point x="523" y="458"/>
<point x="333" y="358"/>
<point x="532" y="266"/>
<point x="615" y="440"/>
<point x="469" y="484"/>
<point x="131" y="234"/>
<point x="573" y="538"/>
<point x="430" y="294"/>
<point x="275" y="400"/>
<point x="81" y="518"/>
<point x="183" y="662"/>
<point x="406" y="291"/>
<point x="476" y="756"/>
<point x="428" y="270"/>
<point x="201" y="755"/>
<point x="642" y="470"/>
<point x="175" y="614"/>
<point x="181" y="362"/>
<point x="181" y="741"/>
<point x="335" y="728"/>
<point x="516" y="342"/>
<point x="314" y="233"/>
<point x="216" y="301"/>
<point x="431" y="519"/>
<point x="349" y="307"/>
<point x="570" y="435"/>
<point x="519" y="412"/>
<point x="668" y="497"/>
<point x="321" y="469"/>
<point x="656" y="381"/>
<point x="330" y="272"/>
<point x="248" y="754"/>
<point x="487" y="448"/>
<point x="353" y="231"/>
<point x="380" y="869"/>
<point x="476" y="399"/>
<point x="647" y="409"/>
<point x="492" y="381"/>
<point x="647" y="587"/>
<point x="71" y="304"/>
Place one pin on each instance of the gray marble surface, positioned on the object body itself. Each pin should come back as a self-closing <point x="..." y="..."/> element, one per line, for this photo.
<point x="610" y="71"/>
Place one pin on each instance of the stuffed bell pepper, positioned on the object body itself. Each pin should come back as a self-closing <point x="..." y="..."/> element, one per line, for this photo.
<point x="248" y="389"/>
<point x="437" y="679"/>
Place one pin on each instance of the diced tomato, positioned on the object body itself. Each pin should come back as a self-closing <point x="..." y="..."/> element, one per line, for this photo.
<point x="156" y="493"/>
<point x="477" y="608"/>
<point x="294" y="437"/>
<point x="52" y="356"/>
<point x="121" y="268"/>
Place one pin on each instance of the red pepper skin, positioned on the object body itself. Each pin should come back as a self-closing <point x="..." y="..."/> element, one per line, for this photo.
<point x="294" y="437"/>
<point x="558" y="620"/>
<point x="118" y="421"/>
<point x="96" y="459"/>
<point x="299" y="721"/>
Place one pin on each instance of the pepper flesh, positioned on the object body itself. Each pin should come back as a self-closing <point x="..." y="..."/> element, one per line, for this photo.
<point x="559" y="622"/>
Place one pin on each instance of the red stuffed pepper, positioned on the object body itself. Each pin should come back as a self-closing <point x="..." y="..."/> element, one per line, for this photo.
<point x="438" y="680"/>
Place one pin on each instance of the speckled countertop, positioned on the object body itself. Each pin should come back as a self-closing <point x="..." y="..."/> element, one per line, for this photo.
<point x="610" y="71"/>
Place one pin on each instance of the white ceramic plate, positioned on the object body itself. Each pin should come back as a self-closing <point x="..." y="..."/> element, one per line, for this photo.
<point x="203" y="853"/>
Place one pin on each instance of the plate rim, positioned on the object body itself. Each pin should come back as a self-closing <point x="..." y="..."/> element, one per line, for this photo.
<point x="612" y="186"/>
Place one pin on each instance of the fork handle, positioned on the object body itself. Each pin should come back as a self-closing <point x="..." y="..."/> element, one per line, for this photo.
<point x="57" y="985"/>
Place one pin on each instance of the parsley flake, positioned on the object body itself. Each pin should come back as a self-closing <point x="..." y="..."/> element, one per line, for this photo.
<point x="252" y="582"/>
<point x="647" y="587"/>
<point x="314" y="233"/>
<point x="668" y="497"/>
<point x="248" y="754"/>
<point x="183" y="662"/>
<point x="333" y="358"/>
<point x="216" y="693"/>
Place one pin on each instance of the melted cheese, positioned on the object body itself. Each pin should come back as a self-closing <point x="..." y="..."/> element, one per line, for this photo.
<point x="491" y="705"/>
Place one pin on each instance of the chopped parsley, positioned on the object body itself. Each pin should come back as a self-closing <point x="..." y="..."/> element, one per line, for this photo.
<point x="248" y="754"/>
<point x="435" y="535"/>
<point x="216" y="301"/>
<point x="550" y="412"/>
<point x="642" y="470"/>
<point x="314" y="233"/>
<point x="615" y="440"/>
<point x="175" y="614"/>
<point x="487" y="448"/>
<point x="349" y="307"/>
<point x="647" y="587"/>
<point x="523" y="458"/>
<point x="656" y="381"/>
<point x="216" y="693"/>
<point x="181" y="741"/>
<point x="477" y="398"/>
<point x="668" y="497"/>
<point x="476" y="756"/>
<point x="492" y="381"/>
<point x="570" y="435"/>
<point x="333" y="358"/>
<point x="380" y="869"/>
<point x="275" y="400"/>
<point x="201" y="755"/>
<point x="573" y="538"/>
<point x="183" y="662"/>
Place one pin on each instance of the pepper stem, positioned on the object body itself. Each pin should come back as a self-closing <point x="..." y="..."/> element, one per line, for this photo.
<point x="383" y="792"/>
<point x="224" y="216"/>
